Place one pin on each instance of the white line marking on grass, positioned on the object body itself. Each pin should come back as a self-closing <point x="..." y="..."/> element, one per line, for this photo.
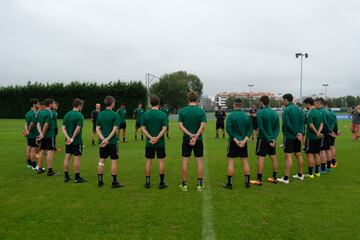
<point x="208" y="224"/>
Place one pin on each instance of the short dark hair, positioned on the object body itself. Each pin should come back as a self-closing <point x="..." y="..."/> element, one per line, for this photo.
<point x="154" y="100"/>
<point x="42" y="103"/>
<point x="193" y="96"/>
<point x="288" y="96"/>
<point x="320" y="100"/>
<point x="237" y="102"/>
<point x="77" y="102"/>
<point x="108" y="101"/>
<point x="33" y="101"/>
<point x="48" y="101"/>
<point x="309" y="100"/>
<point x="139" y="103"/>
<point x="265" y="100"/>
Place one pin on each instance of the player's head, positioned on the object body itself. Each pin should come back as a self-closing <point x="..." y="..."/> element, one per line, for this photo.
<point x="49" y="102"/>
<point x="219" y="107"/>
<point x="34" y="102"/>
<point x="42" y="105"/>
<point x="287" y="98"/>
<point x="193" y="97"/>
<point x="319" y="102"/>
<point x="122" y="105"/>
<point x="264" y="100"/>
<point x="109" y="101"/>
<point x="140" y="104"/>
<point x="237" y="103"/>
<point x="78" y="104"/>
<point x="309" y="103"/>
<point x="98" y="106"/>
<point x="55" y="105"/>
<point x="154" y="101"/>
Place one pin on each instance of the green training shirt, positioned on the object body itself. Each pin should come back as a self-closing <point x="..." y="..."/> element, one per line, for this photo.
<point x="138" y="112"/>
<point x="238" y="125"/>
<point x="122" y="115"/>
<point x="293" y="121"/>
<point x="315" y="118"/>
<point x="154" y="121"/>
<point x="333" y="125"/>
<point x="73" y="119"/>
<point x="192" y="117"/>
<point x="326" y="116"/>
<point x="46" y="116"/>
<point x="55" y="116"/>
<point x="268" y="124"/>
<point x="106" y="120"/>
<point x="31" y="117"/>
<point x="165" y="110"/>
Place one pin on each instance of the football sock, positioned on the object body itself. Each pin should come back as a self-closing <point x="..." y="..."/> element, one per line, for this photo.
<point x="333" y="161"/>
<point x="50" y="170"/>
<point x="230" y="180"/>
<point x="77" y="176"/>
<point x="147" y="179"/>
<point x="286" y="177"/>
<point x="317" y="168"/>
<point x="29" y="162"/>
<point x="323" y="166"/>
<point x="34" y="164"/>
<point x="100" y="177"/>
<point x="217" y="135"/>
<point x="66" y="174"/>
<point x="135" y="137"/>
<point x="123" y="139"/>
<point x="184" y="182"/>
<point x="93" y="142"/>
<point x="142" y="137"/>
<point x="114" y="178"/>
<point x="300" y="174"/>
<point x="162" y="176"/>
<point x="247" y="181"/>
<point x="259" y="177"/>
<point x="274" y="175"/>
<point x="310" y="169"/>
<point x="200" y="180"/>
<point x="328" y="164"/>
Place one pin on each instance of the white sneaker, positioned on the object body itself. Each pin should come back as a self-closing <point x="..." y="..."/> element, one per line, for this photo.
<point x="37" y="168"/>
<point x="29" y="166"/>
<point x="298" y="177"/>
<point x="282" y="180"/>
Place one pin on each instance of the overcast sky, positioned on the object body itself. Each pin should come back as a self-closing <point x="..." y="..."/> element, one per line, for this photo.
<point x="228" y="44"/>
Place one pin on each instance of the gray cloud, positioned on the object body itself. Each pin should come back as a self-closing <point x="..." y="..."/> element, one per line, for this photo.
<point x="228" y="44"/>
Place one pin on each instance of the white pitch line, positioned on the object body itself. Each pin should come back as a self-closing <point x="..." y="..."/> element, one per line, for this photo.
<point x="208" y="224"/>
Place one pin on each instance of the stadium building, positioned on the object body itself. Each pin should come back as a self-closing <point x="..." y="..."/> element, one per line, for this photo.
<point x="220" y="98"/>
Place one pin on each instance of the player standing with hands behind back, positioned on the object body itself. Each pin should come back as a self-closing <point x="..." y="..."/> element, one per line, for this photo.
<point x="220" y="116"/>
<point x="192" y="121"/>
<point x="107" y="124"/>
<point x="154" y="125"/>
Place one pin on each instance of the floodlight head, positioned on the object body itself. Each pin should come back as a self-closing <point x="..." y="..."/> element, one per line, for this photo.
<point x="306" y="55"/>
<point x="297" y="55"/>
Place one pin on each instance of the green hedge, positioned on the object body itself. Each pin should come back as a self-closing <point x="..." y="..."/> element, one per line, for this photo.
<point x="15" y="99"/>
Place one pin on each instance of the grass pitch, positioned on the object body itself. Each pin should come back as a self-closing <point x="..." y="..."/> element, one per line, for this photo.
<point x="40" y="207"/>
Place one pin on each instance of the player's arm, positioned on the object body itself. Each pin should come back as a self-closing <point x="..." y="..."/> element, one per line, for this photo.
<point x="229" y="130"/>
<point x="184" y="130"/>
<point x="78" y="128"/>
<point x="99" y="133"/>
<point x="249" y="132"/>
<point x="112" y="134"/>
<point x="200" y="130"/>
<point x="63" y="128"/>
<point x="288" y="125"/>
<point x="39" y="129"/>
<point x="277" y="128"/>
<point x="146" y="133"/>
<point x="336" y="127"/>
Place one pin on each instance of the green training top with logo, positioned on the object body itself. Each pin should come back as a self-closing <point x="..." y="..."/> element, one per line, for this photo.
<point x="55" y="116"/>
<point x="46" y="116"/>
<point x="192" y="117"/>
<point x="154" y="121"/>
<point x="31" y="117"/>
<point x="122" y="115"/>
<point x="268" y="124"/>
<point x="238" y="125"/>
<point x="293" y="121"/>
<point x="138" y="112"/>
<point x="73" y="119"/>
<point x="333" y="125"/>
<point x="315" y="118"/>
<point x="326" y="116"/>
<point x="107" y="120"/>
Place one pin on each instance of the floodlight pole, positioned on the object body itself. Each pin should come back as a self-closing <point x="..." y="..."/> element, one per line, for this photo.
<point x="148" y="79"/>
<point x="301" y="55"/>
<point x="325" y="85"/>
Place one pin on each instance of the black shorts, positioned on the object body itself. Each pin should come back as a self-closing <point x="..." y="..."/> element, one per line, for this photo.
<point x="332" y="141"/>
<point x="110" y="150"/>
<point x="75" y="150"/>
<point x="94" y="128"/>
<point x="122" y="126"/>
<point x="137" y="125"/>
<point x="263" y="148"/>
<point x="234" y="151"/>
<point x="254" y="123"/>
<point x="292" y="145"/>
<point x="325" y="143"/>
<point x="47" y="144"/>
<point x="198" y="149"/>
<point x="150" y="152"/>
<point x="56" y="131"/>
<point x="31" y="142"/>
<point x="220" y="125"/>
<point x="312" y="146"/>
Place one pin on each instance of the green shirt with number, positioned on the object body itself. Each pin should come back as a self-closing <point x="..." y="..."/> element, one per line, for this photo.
<point x="46" y="116"/>
<point x="138" y="112"/>
<point x="316" y="119"/>
<point x="154" y="121"/>
<point x="107" y="120"/>
<point x="72" y="120"/>
<point x="31" y="117"/>
<point x="192" y="117"/>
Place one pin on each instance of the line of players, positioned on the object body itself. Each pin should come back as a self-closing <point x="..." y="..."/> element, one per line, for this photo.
<point x="319" y="134"/>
